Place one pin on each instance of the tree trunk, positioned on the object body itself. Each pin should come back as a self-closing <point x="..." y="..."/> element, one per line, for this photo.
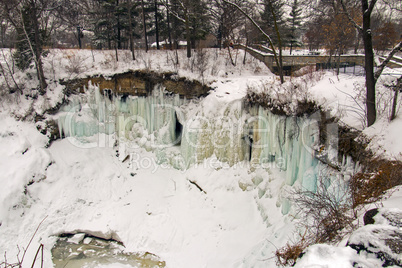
<point x="118" y="26"/>
<point x="369" y="64"/>
<point x="116" y="51"/>
<point x="144" y="26"/>
<point x="338" y="62"/>
<point x="168" y="27"/>
<point x="245" y="50"/>
<point x="230" y="56"/>
<point x="130" y="29"/>
<point x="79" y="37"/>
<point x="156" y="26"/>
<point x="188" y="37"/>
<point x="394" y="103"/>
<point x="175" y="35"/>
<point x="397" y="88"/>
<point x="357" y="45"/>
<point x="280" y="66"/>
<point x="38" y="51"/>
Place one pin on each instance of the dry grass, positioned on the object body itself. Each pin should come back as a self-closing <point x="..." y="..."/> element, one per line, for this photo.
<point x="287" y="255"/>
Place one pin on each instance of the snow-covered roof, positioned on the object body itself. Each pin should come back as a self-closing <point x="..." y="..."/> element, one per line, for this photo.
<point x="181" y="43"/>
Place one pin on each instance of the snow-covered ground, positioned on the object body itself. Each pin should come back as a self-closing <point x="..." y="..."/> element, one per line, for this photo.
<point x="153" y="208"/>
<point x="148" y="208"/>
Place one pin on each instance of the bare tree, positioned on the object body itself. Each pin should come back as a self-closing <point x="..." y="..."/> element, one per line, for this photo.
<point x="184" y="5"/>
<point x="30" y="18"/>
<point x="278" y="60"/>
<point x="371" y="77"/>
<point x="73" y="14"/>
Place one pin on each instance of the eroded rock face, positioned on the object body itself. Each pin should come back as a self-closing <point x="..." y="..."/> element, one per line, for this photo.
<point x="382" y="236"/>
<point x="139" y="83"/>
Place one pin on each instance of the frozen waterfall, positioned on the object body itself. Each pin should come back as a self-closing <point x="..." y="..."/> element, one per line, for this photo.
<point x="182" y="133"/>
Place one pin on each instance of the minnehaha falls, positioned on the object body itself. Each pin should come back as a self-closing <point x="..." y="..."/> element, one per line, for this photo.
<point x="186" y="132"/>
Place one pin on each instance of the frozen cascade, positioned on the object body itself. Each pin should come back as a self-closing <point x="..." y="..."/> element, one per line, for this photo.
<point x="129" y="117"/>
<point x="183" y="133"/>
<point x="222" y="135"/>
<point x="289" y="142"/>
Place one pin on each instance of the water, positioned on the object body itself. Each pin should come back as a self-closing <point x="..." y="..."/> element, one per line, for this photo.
<point x="80" y="251"/>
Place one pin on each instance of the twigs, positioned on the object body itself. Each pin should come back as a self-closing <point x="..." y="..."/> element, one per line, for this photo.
<point x="30" y="241"/>
<point x="19" y="262"/>
<point x="196" y="185"/>
<point x="10" y="73"/>
<point x="40" y="248"/>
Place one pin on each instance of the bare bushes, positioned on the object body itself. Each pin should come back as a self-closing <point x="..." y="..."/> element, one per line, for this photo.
<point x="198" y="64"/>
<point x="202" y="59"/>
<point x="287" y="255"/>
<point x="110" y="60"/>
<point x="388" y="102"/>
<point x="21" y="259"/>
<point x="368" y="187"/>
<point x="75" y="62"/>
<point x="329" y="213"/>
<point x="7" y="64"/>
<point x="324" y="215"/>
<point x="291" y="99"/>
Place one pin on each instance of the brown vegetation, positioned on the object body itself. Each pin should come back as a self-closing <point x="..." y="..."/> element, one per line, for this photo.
<point x="276" y="106"/>
<point x="371" y="185"/>
<point x="288" y="254"/>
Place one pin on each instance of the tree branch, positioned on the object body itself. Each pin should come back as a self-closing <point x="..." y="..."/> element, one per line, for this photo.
<point x="386" y="61"/>
<point x="259" y="29"/>
<point x="357" y="26"/>
<point x="172" y="12"/>
<point x="371" y="7"/>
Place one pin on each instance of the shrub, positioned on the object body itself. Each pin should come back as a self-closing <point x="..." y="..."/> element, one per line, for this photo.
<point x="288" y="254"/>
<point x="370" y="186"/>
<point x="290" y="100"/>
<point x="326" y="215"/>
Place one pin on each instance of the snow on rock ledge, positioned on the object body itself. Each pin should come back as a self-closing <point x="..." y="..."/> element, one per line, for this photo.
<point x="373" y="245"/>
<point x="383" y="238"/>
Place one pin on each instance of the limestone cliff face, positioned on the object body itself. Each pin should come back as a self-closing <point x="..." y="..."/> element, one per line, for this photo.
<point x="139" y="83"/>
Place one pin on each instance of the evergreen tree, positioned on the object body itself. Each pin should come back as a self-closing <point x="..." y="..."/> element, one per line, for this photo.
<point x="153" y="21"/>
<point x="111" y="23"/>
<point x="295" y="22"/>
<point x="177" y="25"/>
<point x="192" y="16"/>
<point x="273" y="11"/>
<point x="199" y="21"/>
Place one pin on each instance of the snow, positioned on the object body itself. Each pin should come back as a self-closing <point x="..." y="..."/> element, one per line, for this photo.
<point x="156" y="210"/>
<point x="238" y="219"/>
<point x="345" y="95"/>
<point x="321" y="255"/>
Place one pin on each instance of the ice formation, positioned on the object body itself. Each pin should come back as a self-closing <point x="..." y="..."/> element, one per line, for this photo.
<point x="183" y="133"/>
